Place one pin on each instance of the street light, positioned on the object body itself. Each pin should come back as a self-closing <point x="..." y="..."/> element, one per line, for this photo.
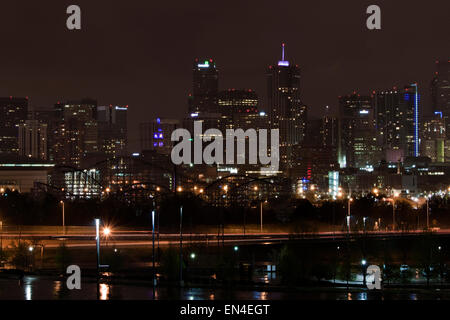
<point x="349" y="213"/>
<point x="363" y="263"/>
<point x="106" y="231"/>
<point x="97" y="238"/>
<point x="192" y="255"/>
<point x="63" y="217"/>
<point x="153" y="251"/>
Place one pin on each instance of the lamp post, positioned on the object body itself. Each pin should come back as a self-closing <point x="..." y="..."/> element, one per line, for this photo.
<point x="63" y="217"/>
<point x="428" y="215"/>
<point x="395" y="195"/>
<point x="1" y="236"/>
<point x="261" y="215"/>
<point x="181" y="245"/>
<point x="153" y="251"/>
<point x="97" y="238"/>
<point x="364" y="222"/>
<point x="348" y="214"/>
<point x="363" y="263"/>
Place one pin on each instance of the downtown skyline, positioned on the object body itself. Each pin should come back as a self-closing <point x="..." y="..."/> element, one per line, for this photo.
<point x="133" y="54"/>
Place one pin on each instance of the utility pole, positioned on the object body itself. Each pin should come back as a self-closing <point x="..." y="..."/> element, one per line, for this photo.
<point x="261" y="214"/>
<point x="153" y="251"/>
<point x="181" y="245"/>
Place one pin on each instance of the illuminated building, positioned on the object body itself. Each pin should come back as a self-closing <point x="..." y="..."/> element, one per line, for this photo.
<point x="397" y="113"/>
<point x="24" y="176"/>
<point x="233" y="103"/>
<point x="440" y="91"/>
<point x="82" y="184"/>
<point x="357" y="136"/>
<point x="156" y="135"/>
<point x="75" y="136"/>
<point x="432" y="143"/>
<point x="286" y="112"/>
<point x="205" y="87"/>
<point x="13" y="111"/>
<point x="33" y="139"/>
<point x="112" y="130"/>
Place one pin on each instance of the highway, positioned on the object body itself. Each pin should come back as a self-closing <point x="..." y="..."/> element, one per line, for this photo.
<point x="85" y="237"/>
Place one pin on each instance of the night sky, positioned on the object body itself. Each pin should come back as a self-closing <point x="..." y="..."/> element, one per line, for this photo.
<point x="140" y="53"/>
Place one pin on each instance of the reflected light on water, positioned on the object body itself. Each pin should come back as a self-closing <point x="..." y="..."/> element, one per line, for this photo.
<point x="57" y="287"/>
<point x="28" y="292"/>
<point x="260" y="295"/>
<point x="104" y="291"/>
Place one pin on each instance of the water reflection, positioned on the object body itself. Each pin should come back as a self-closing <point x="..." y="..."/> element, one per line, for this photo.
<point x="362" y="296"/>
<point x="28" y="292"/>
<point x="260" y="295"/>
<point x="38" y="287"/>
<point x="104" y="291"/>
<point x="28" y="288"/>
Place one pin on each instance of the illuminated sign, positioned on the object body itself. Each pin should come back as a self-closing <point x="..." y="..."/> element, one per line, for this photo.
<point x="204" y="65"/>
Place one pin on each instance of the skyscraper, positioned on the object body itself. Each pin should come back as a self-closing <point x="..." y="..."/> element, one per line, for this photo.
<point x="13" y="111"/>
<point x="205" y="87"/>
<point x="76" y="133"/>
<point x="286" y="112"/>
<point x="440" y="91"/>
<point x="156" y="135"/>
<point x="357" y="136"/>
<point x="33" y="139"/>
<point x="235" y="106"/>
<point x="112" y="130"/>
<point x="432" y="143"/>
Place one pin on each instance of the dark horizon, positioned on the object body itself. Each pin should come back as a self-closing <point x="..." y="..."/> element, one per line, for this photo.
<point x="140" y="53"/>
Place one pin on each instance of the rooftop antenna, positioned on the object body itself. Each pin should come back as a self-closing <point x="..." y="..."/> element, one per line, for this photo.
<point x="282" y="62"/>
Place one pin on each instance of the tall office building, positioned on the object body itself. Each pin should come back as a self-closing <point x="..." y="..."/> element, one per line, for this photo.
<point x="357" y="135"/>
<point x="76" y="133"/>
<point x="433" y="137"/>
<point x="112" y="130"/>
<point x="397" y="122"/>
<point x="205" y="87"/>
<point x="286" y="111"/>
<point x="440" y="91"/>
<point x="156" y="135"/>
<point x="33" y="139"/>
<point x="329" y="131"/>
<point x="13" y="111"/>
<point x="237" y="108"/>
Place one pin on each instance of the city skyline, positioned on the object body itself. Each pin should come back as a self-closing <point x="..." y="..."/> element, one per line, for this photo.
<point x="132" y="62"/>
